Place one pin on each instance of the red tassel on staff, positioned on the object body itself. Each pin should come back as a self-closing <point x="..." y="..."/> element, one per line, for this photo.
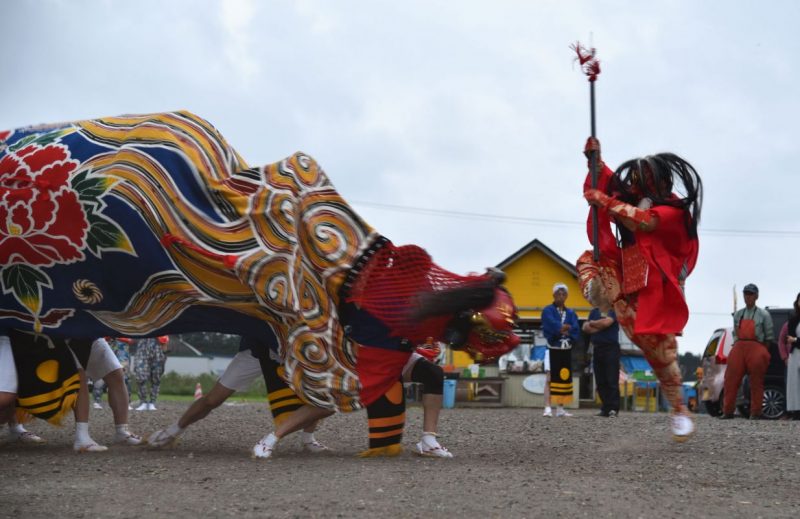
<point x="588" y="60"/>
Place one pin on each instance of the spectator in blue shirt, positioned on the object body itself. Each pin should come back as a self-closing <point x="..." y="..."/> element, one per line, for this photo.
<point x="561" y="330"/>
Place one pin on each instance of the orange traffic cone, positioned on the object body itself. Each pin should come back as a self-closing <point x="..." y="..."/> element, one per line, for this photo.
<point x="198" y="391"/>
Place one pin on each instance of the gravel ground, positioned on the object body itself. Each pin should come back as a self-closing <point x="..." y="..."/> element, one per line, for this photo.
<point x="508" y="463"/>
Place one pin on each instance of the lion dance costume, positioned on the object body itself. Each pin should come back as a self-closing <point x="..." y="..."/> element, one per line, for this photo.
<point x="655" y="203"/>
<point x="149" y="225"/>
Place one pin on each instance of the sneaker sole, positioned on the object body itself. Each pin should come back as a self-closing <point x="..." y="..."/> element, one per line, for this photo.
<point x="29" y="440"/>
<point x="89" y="449"/>
<point x="426" y="455"/>
<point x="261" y="458"/>
<point x="682" y="438"/>
<point x="172" y="443"/>
<point x="125" y="443"/>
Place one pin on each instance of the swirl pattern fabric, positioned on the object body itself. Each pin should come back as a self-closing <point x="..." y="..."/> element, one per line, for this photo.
<point x="149" y="225"/>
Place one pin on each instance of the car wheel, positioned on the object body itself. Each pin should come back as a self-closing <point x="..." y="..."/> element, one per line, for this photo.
<point x="774" y="402"/>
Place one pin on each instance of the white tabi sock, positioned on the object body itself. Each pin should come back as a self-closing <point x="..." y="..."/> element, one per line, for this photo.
<point x="82" y="433"/>
<point x="270" y="440"/>
<point x="429" y="439"/>
<point x="175" y="430"/>
<point x="308" y="437"/>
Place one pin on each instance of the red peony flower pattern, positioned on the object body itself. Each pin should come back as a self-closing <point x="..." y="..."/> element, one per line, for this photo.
<point x="41" y="219"/>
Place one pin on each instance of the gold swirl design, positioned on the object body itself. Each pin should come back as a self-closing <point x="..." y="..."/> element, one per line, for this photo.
<point x="87" y="292"/>
<point x="276" y="246"/>
<point x="276" y="230"/>
<point x="328" y="231"/>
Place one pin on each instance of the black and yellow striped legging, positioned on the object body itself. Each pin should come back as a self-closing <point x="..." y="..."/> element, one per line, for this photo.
<point x="386" y="416"/>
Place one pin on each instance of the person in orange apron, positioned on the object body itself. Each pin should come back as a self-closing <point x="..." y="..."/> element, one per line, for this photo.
<point x="752" y="331"/>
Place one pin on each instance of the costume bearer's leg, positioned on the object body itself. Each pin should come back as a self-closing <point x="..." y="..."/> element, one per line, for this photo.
<point x="282" y="399"/>
<point x="288" y="412"/>
<point x="387" y="417"/>
<point x="431" y="377"/>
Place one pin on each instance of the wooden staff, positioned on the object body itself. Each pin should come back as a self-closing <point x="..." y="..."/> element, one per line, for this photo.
<point x="591" y="67"/>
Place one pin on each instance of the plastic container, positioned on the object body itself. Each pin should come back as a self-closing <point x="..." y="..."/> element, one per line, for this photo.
<point x="449" y="394"/>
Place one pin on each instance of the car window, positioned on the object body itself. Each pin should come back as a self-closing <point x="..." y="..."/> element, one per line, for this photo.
<point x="711" y="349"/>
<point x="779" y="318"/>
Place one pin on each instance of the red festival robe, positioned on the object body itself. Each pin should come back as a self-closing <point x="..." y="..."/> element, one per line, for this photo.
<point x="661" y="305"/>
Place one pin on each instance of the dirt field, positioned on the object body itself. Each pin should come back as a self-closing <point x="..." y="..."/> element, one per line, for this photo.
<point x="508" y="463"/>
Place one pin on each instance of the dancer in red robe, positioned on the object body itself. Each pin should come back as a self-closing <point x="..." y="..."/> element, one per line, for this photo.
<point x="655" y="203"/>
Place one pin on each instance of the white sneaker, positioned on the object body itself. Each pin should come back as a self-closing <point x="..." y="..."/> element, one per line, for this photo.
<point x="97" y="405"/>
<point x="432" y="451"/>
<point x="26" y="437"/>
<point x="151" y="407"/>
<point x="265" y="446"/>
<point x="562" y="412"/>
<point x="142" y="407"/>
<point x="161" y="438"/>
<point x="547" y="412"/>
<point x="127" y="438"/>
<point x="315" y="447"/>
<point x="92" y="446"/>
<point x="682" y="427"/>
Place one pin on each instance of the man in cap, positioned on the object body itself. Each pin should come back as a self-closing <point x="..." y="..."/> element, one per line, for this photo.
<point x="560" y="328"/>
<point x="752" y="333"/>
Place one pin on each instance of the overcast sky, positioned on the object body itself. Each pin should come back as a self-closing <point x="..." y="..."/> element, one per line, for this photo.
<point x="459" y="106"/>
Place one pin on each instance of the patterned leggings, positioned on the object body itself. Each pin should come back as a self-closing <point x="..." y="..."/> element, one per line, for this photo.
<point x="148" y="367"/>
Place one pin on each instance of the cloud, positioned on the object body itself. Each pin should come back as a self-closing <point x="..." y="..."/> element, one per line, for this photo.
<point x="463" y="106"/>
<point x="236" y="17"/>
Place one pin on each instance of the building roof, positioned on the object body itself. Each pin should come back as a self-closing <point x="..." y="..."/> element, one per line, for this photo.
<point x="534" y="245"/>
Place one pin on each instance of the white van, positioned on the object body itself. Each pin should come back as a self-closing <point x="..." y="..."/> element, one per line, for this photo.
<point x="710" y="390"/>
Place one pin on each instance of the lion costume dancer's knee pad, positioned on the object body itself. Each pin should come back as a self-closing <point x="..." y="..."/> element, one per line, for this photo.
<point x="387" y="417"/>
<point x="430" y="375"/>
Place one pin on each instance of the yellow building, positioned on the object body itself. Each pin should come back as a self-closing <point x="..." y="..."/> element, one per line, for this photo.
<point x="531" y="273"/>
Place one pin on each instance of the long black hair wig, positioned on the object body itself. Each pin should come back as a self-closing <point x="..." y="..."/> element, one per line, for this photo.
<point x="664" y="178"/>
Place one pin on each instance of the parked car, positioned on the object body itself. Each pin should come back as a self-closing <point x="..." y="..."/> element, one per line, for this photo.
<point x="714" y="363"/>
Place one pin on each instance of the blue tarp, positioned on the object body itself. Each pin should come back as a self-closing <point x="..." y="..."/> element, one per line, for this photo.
<point x="631" y="363"/>
<point x="537" y="352"/>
